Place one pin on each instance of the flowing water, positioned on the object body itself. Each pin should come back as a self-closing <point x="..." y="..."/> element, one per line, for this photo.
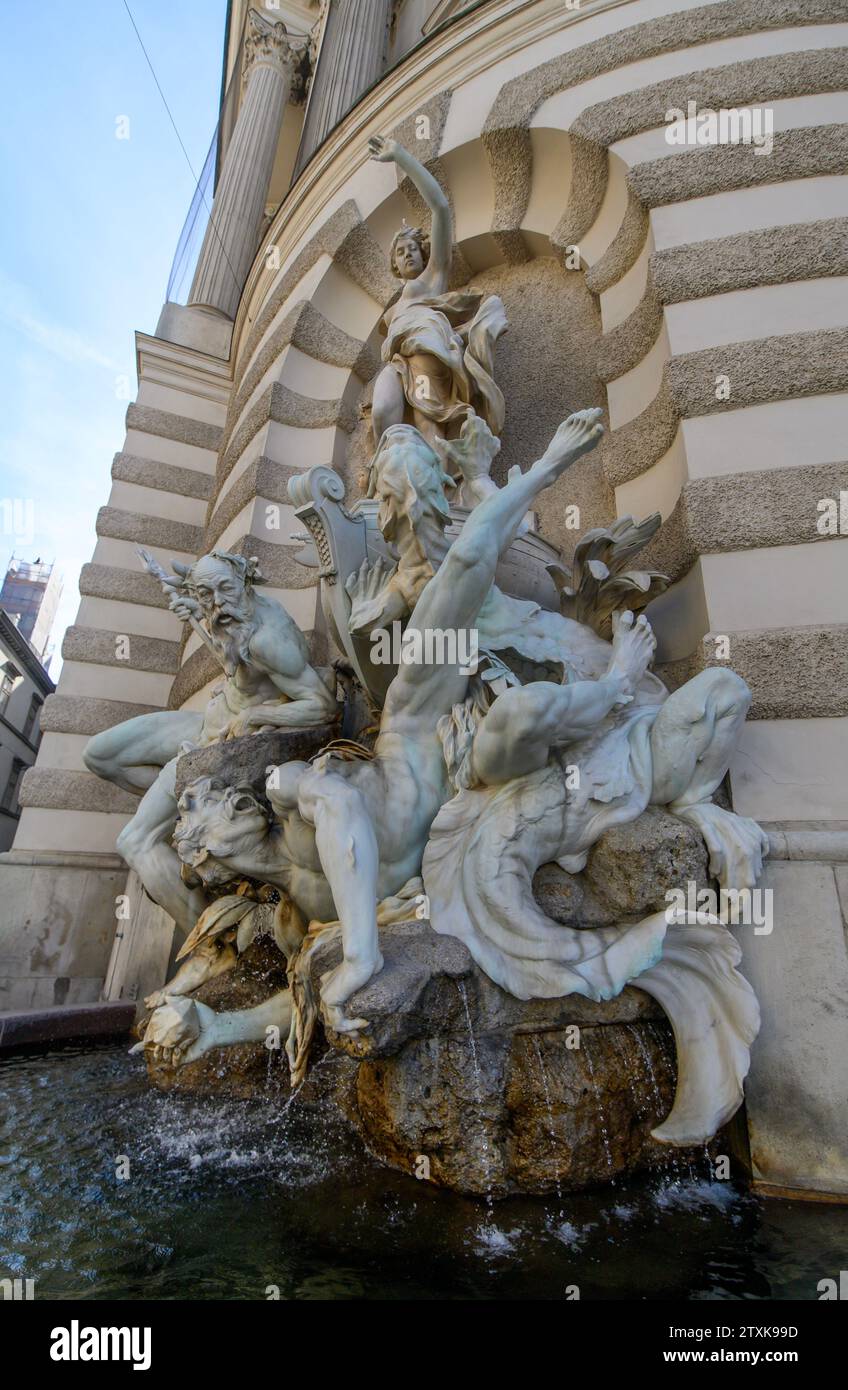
<point x="649" y="1068"/>
<point x="550" y="1109"/>
<point x="599" y="1100"/>
<point x="478" y="1095"/>
<point x="221" y="1200"/>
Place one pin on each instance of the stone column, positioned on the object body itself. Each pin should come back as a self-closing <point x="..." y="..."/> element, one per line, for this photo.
<point x="232" y="236"/>
<point x="351" y="58"/>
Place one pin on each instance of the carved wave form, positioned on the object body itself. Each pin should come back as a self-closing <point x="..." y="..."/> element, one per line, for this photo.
<point x="478" y="869"/>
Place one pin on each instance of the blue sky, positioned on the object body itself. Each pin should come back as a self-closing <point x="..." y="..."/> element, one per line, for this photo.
<point x="88" y="233"/>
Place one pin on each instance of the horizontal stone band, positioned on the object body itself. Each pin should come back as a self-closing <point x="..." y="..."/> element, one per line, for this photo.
<point x="57" y="789"/>
<point x="84" y="714"/>
<point x="165" y="477"/>
<point x="107" y="649"/>
<point x="149" y="530"/>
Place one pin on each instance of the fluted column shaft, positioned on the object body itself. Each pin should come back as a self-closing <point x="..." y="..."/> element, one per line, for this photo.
<point x="351" y="58"/>
<point x="232" y="235"/>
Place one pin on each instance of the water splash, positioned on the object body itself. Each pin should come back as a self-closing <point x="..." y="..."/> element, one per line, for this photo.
<point x="570" y="1235"/>
<point x="478" y="1095"/>
<point x="672" y="1160"/>
<point x="697" y="1196"/>
<point x="493" y="1240"/>
<point x="624" y="1212"/>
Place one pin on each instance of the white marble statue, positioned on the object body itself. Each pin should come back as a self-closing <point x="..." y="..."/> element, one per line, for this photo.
<point x="268" y="683"/>
<point x="474" y="788"/>
<point x="439" y="346"/>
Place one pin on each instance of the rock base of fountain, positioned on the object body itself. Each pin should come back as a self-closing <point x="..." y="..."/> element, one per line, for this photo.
<point x="456" y="1081"/>
<point x="460" y="1083"/>
<point x="531" y="1115"/>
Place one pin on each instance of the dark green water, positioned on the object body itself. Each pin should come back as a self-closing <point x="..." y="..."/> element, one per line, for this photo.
<point x="226" y="1199"/>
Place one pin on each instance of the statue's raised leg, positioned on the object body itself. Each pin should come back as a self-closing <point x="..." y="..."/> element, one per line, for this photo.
<point x="388" y="402"/>
<point x="347" y="847"/>
<point x="526" y="722"/>
<point x="692" y="742"/>
<point x="132" y="754"/>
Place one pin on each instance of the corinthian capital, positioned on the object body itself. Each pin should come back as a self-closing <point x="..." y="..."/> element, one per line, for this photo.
<point x="265" y="44"/>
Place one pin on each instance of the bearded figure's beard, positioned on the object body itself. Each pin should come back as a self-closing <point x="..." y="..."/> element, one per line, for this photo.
<point x="232" y="642"/>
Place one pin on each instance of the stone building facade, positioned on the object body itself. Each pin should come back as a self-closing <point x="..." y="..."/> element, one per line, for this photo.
<point x="24" y="687"/>
<point x="697" y="292"/>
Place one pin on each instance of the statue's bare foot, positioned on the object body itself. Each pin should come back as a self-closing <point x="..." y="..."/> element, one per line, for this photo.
<point x="180" y="1030"/>
<point x="633" y="647"/>
<point x="337" y="1020"/>
<point x="737" y="845"/>
<point x="152" y="1002"/>
<point x="575" y="437"/>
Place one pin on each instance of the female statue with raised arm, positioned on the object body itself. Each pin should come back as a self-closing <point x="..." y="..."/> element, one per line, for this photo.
<point x="439" y="349"/>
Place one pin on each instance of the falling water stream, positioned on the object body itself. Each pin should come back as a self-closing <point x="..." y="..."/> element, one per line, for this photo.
<point x="599" y="1102"/>
<point x="627" y="1070"/>
<point x="649" y="1070"/>
<point x="669" y="1056"/>
<point x="673" y="1160"/>
<point x="478" y="1095"/>
<point x="550" y="1109"/>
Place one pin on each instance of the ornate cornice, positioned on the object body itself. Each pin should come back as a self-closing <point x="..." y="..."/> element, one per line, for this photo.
<point x="266" y="44"/>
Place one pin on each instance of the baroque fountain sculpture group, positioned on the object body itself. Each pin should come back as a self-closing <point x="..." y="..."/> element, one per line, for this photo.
<point x="469" y="785"/>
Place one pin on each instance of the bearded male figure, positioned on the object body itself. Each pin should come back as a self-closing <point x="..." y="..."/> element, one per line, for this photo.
<point x="269" y="683"/>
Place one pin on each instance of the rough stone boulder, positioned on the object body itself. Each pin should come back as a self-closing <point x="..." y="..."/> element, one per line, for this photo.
<point x="241" y="761"/>
<point x="628" y="873"/>
<point x="488" y="1094"/>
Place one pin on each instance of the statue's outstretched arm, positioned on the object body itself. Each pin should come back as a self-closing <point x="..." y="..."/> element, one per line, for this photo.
<point x="441" y="230"/>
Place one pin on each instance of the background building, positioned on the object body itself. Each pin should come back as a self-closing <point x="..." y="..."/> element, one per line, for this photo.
<point x="24" y="686"/>
<point x="706" y="311"/>
<point x="30" y="597"/>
